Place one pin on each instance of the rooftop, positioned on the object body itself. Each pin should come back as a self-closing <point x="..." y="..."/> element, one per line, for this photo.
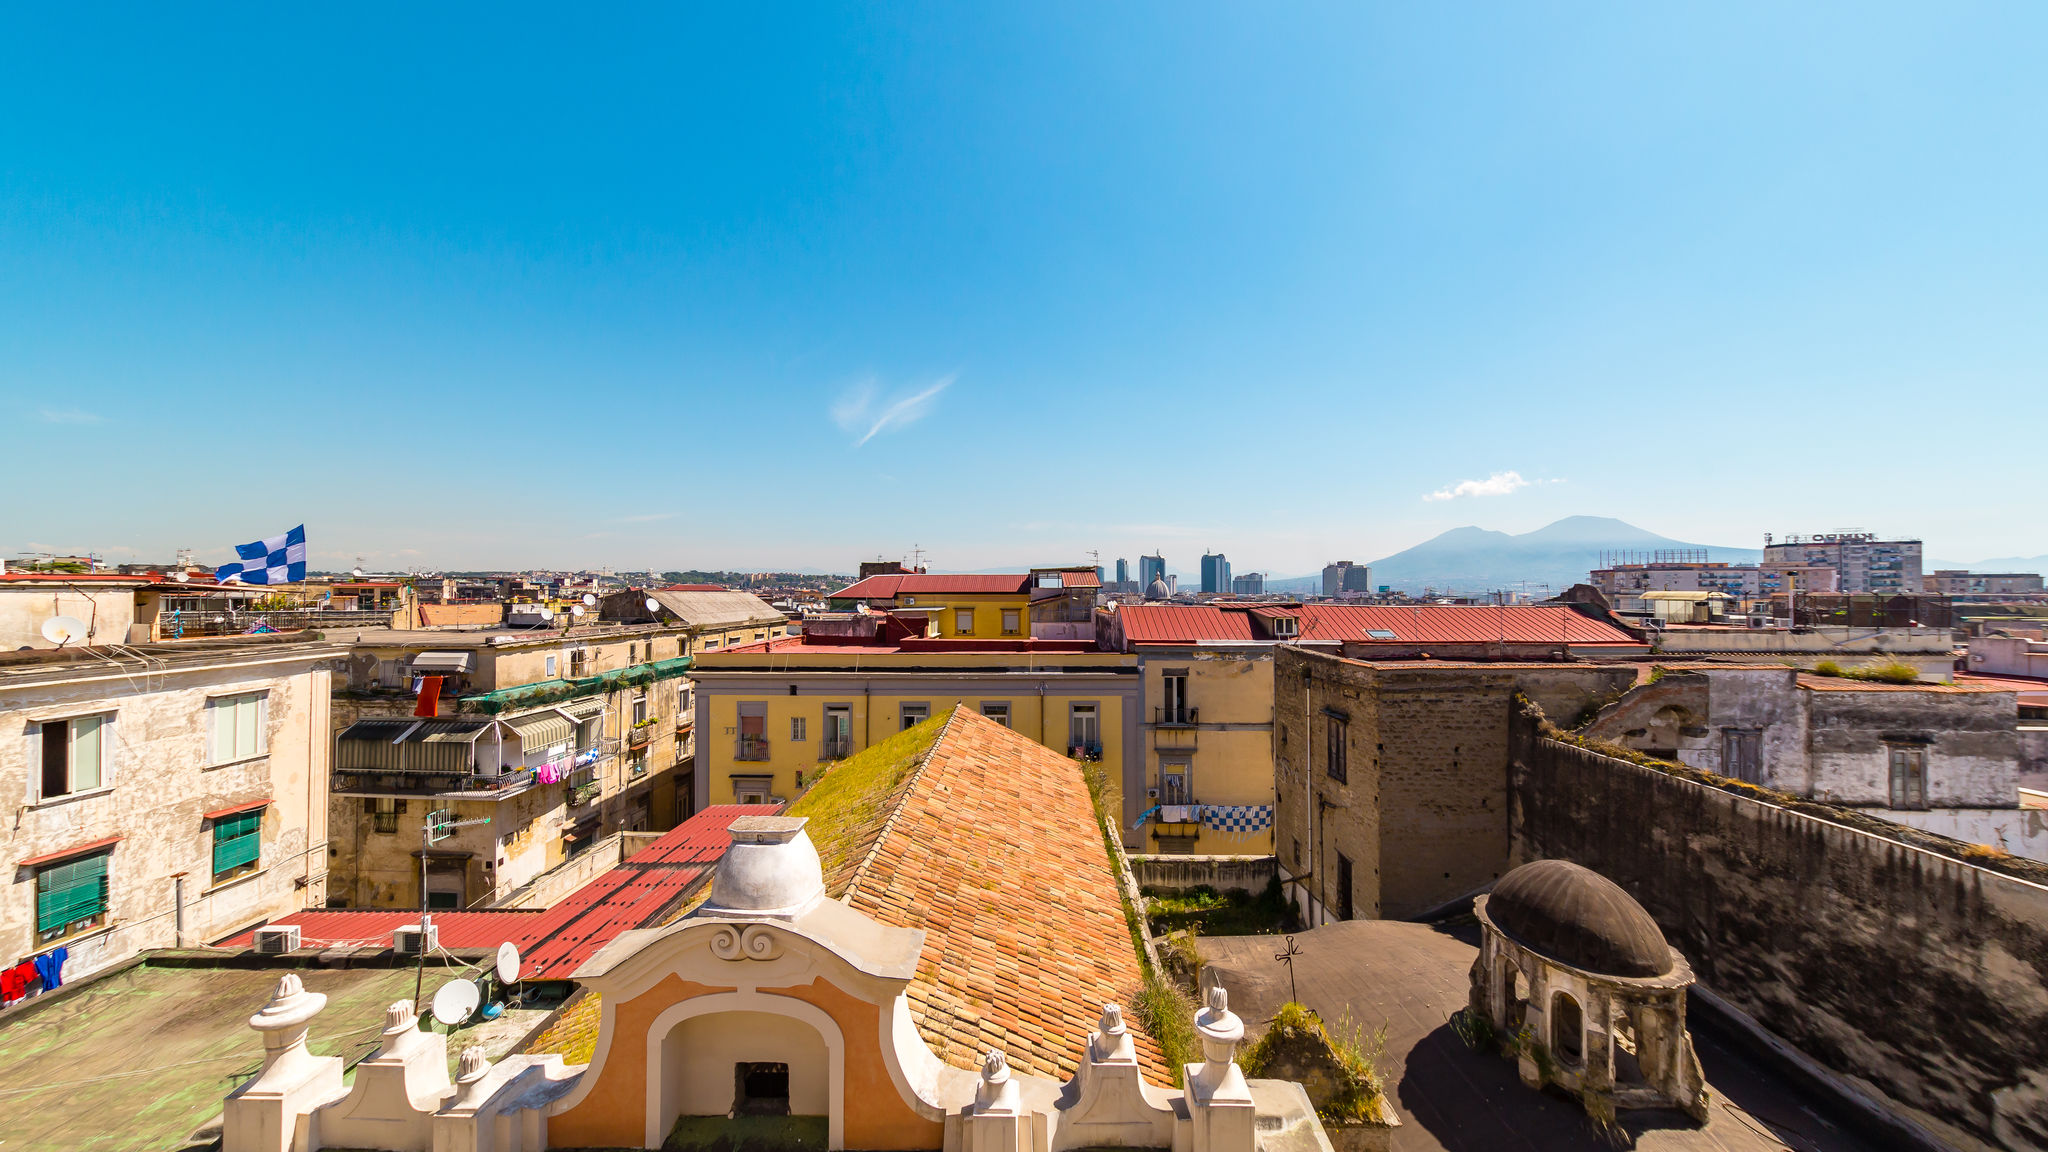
<point x="45" y="663"/>
<point x="495" y="635"/>
<point x="989" y="843"/>
<point x="1819" y="683"/>
<point x="1547" y="624"/>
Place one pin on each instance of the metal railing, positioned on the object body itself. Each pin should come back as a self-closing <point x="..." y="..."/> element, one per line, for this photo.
<point x="476" y="785"/>
<point x="1181" y="717"/>
<point x="835" y="747"/>
<point x="752" y="748"/>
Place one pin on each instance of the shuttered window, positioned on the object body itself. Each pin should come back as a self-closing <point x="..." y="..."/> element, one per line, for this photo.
<point x="237" y="841"/>
<point x="70" y="893"/>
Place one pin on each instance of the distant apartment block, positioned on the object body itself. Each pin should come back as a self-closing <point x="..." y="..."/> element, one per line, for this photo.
<point x="1624" y="582"/>
<point x="1249" y="584"/>
<point x="1123" y="571"/>
<point x="1862" y="562"/>
<point x="1956" y="582"/>
<point x="1343" y="576"/>
<point x="1215" y="573"/>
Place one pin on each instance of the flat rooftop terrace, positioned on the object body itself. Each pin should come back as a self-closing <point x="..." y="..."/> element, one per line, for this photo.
<point x="1412" y="977"/>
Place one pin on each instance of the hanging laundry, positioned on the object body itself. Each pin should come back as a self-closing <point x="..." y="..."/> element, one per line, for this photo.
<point x="14" y="982"/>
<point x="50" y="966"/>
<point x="1237" y="817"/>
<point x="1179" y="813"/>
<point x="430" y="697"/>
<point x="1142" y="817"/>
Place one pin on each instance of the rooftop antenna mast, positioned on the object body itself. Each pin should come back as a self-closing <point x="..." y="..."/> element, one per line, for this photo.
<point x="916" y="558"/>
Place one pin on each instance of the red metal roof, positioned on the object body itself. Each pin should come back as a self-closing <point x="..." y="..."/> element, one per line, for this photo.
<point x="554" y="942"/>
<point x="920" y="583"/>
<point x="1080" y="579"/>
<point x="1456" y="624"/>
<point x="234" y="809"/>
<point x="1181" y="624"/>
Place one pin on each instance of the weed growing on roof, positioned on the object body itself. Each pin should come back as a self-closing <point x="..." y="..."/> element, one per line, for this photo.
<point x="848" y="803"/>
<point x="1212" y="913"/>
<point x="1168" y="1016"/>
<point x="1827" y="668"/>
<point x="1893" y="671"/>
<point x="1350" y="1088"/>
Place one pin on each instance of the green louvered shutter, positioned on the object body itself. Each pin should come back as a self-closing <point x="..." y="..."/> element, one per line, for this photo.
<point x="71" y="891"/>
<point x="237" y="840"/>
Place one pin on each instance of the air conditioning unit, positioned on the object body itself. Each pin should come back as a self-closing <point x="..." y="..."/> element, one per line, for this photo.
<point x="277" y="940"/>
<point x="406" y="941"/>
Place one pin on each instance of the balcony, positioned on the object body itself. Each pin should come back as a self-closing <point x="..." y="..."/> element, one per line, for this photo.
<point x="1181" y="717"/>
<point x="835" y="747"/>
<point x="465" y="785"/>
<point x="584" y="787"/>
<point x="1086" y="752"/>
<point x="637" y="768"/>
<point x="752" y="748"/>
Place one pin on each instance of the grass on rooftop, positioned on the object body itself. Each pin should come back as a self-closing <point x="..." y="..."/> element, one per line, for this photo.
<point x="853" y="799"/>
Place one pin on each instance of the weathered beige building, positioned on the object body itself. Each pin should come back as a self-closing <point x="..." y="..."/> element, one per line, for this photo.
<point x="558" y="737"/>
<point x="165" y="795"/>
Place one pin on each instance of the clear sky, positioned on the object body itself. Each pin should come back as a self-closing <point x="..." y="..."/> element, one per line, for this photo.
<point x="541" y="287"/>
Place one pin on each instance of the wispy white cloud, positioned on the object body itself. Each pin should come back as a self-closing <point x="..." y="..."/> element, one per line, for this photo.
<point x="70" y="416"/>
<point x="1498" y="484"/>
<point x="864" y="412"/>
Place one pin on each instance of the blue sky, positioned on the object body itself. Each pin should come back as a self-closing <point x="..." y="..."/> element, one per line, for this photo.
<point x="521" y="287"/>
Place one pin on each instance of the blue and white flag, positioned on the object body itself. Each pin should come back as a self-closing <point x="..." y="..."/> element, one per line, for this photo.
<point x="278" y="560"/>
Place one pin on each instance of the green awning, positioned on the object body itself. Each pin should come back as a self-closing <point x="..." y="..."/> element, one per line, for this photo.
<point x="545" y="692"/>
<point x="541" y="730"/>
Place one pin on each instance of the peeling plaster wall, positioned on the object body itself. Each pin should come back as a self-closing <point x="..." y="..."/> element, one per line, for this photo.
<point x="1924" y="977"/>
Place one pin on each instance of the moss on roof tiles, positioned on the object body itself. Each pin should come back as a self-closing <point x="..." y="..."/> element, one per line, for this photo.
<point x="850" y="805"/>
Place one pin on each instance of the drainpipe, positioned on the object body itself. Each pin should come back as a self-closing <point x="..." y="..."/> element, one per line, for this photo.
<point x="178" y="898"/>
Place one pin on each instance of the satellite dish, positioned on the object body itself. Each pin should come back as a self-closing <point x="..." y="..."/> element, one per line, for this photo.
<point x="575" y="609"/>
<point x="454" y="1003"/>
<point x="62" y="630"/>
<point x="589" y="599"/>
<point x="654" y="605"/>
<point x="508" y="963"/>
<point x="356" y="572"/>
<point x="547" y="613"/>
<point x="181" y="576"/>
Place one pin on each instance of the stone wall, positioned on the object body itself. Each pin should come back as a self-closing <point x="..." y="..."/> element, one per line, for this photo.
<point x="1919" y="975"/>
<point x="1251" y="874"/>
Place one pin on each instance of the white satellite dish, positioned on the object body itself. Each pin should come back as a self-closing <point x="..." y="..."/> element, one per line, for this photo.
<point x="62" y="630"/>
<point x="454" y="1003"/>
<point x="508" y="963"/>
<point x="654" y="605"/>
<point x="589" y="599"/>
<point x="356" y="572"/>
<point x="575" y="609"/>
<point x="547" y="613"/>
<point x="181" y="576"/>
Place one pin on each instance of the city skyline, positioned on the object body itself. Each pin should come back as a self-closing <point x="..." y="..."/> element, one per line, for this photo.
<point x="471" y="293"/>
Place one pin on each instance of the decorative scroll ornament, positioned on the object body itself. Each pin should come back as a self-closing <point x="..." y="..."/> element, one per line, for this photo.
<point x="753" y="942"/>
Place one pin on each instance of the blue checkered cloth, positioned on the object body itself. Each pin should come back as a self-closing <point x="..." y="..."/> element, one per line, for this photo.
<point x="278" y="560"/>
<point x="1237" y="817"/>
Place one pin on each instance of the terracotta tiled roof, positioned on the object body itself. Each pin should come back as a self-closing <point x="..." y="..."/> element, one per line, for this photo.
<point x="943" y="584"/>
<point x="992" y="847"/>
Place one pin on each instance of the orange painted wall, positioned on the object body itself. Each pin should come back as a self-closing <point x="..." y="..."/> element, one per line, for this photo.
<point x="877" y="1118"/>
<point x="614" y="1114"/>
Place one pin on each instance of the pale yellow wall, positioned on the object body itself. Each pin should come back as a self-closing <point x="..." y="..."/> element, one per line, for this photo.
<point x="705" y="1048"/>
<point x="988" y="613"/>
<point x="877" y="716"/>
<point x="24" y="608"/>
<point x="1227" y="766"/>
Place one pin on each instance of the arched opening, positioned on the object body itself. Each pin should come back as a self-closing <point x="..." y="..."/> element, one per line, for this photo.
<point x="1662" y="738"/>
<point x="1628" y="1066"/>
<point x="758" y="1079"/>
<point x="1567" y="1030"/>
<point x="1515" y="990"/>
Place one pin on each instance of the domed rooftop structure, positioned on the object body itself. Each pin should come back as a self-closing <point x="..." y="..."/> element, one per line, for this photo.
<point x="1158" y="590"/>
<point x="1576" y="916"/>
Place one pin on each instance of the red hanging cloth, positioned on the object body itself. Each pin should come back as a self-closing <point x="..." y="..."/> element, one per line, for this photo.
<point x="430" y="697"/>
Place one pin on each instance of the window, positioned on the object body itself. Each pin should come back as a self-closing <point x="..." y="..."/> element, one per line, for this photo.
<point x="384" y="814"/>
<point x="838" y="741"/>
<point x="753" y="730"/>
<point x="1567" y="1030"/>
<point x="237" y="727"/>
<point x="71" y="897"/>
<point x="1175" y="683"/>
<point x="910" y="601"/>
<point x="639" y="710"/>
<point x="963" y="621"/>
<point x="1335" y="763"/>
<point x="1741" y="754"/>
<point x="1175" y="785"/>
<point x="915" y="714"/>
<point x="752" y="789"/>
<point x="1084" y="732"/>
<point x="1283" y="625"/>
<point x="1344" y="908"/>
<point x="73" y="755"/>
<point x="711" y="642"/>
<point x="1909" y="776"/>
<point x="1012" y="622"/>
<point x="798" y="729"/>
<point x="997" y="710"/>
<point x="550" y="673"/>
<point x="237" y="843"/>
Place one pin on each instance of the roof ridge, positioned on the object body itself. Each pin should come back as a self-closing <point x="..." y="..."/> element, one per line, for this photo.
<point x="909" y="785"/>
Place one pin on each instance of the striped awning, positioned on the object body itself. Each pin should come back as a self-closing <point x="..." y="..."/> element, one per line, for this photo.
<point x="438" y="662"/>
<point x="585" y="708"/>
<point x="543" y="729"/>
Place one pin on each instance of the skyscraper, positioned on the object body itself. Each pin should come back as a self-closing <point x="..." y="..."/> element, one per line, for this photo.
<point x="1123" y="571"/>
<point x="1150" y="568"/>
<point x="1215" y="572"/>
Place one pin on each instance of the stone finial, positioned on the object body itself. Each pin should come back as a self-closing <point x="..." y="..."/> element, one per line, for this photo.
<point x="1219" y="1000"/>
<point x="1112" y="1022"/>
<point x="474" y="1066"/>
<point x="400" y="1017"/>
<point x="291" y="1006"/>
<point x="995" y="1067"/>
<point x="996" y="1094"/>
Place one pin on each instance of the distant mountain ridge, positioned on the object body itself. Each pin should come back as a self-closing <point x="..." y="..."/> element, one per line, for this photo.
<point x="1471" y="559"/>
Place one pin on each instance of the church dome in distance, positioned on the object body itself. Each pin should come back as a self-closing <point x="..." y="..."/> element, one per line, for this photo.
<point x="1577" y="917"/>
<point x="1158" y="591"/>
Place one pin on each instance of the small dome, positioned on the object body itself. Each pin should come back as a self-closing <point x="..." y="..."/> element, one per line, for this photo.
<point x="1578" y="917"/>
<point x="1158" y="591"/>
<point x="772" y="869"/>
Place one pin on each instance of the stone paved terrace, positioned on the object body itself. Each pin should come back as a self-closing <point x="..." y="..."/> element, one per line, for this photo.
<point x="140" y="1059"/>
<point x="1412" y="977"/>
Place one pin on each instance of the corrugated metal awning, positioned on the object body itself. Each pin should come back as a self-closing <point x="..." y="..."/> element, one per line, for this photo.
<point x="436" y="662"/>
<point x="543" y="729"/>
<point x="584" y="709"/>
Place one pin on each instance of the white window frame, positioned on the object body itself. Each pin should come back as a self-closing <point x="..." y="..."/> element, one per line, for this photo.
<point x="959" y="614"/>
<point x="997" y="710"/>
<point x="548" y="668"/>
<point x="217" y="756"/>
<point x="1075" y="711"/>
<point x="923" y="709"/>
<point x="106" y="749"/>
<point x="799" y="728"/>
